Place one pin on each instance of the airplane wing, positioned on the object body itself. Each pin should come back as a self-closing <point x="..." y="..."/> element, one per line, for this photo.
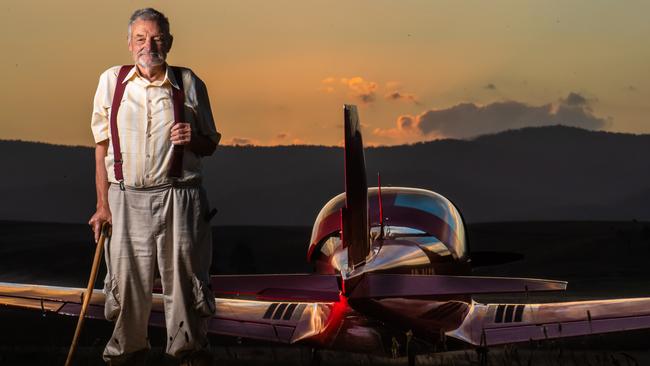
<point x="495" y="324"/>
<point x="285" y="308"/>
<point x="65" y="300"/>
<point x="277" y="308"/>
<point x="45" y="298"/>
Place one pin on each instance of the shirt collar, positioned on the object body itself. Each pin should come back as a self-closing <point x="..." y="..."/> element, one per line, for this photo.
<point x="130" y="74"/>
<point x="169" y="76"/>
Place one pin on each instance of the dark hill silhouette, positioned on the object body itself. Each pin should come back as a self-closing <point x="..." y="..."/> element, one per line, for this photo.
<point x="545" y="173"/>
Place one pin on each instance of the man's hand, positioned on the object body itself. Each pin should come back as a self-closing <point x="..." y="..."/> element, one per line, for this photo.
<point x="181" y="134"/>
<point x="103" y="212"/>
<point x="101" y="216"/>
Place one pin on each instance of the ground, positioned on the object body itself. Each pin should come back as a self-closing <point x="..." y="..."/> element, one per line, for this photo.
<point x="599" y="259"/>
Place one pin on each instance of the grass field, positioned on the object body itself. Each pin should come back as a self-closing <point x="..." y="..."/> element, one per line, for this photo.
<point x="599" y="259"/>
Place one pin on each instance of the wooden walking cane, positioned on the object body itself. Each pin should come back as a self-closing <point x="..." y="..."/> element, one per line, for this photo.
<point x="105" y="232"/>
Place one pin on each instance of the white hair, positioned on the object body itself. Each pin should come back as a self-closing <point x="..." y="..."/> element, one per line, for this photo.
<point x="150" y="14"/>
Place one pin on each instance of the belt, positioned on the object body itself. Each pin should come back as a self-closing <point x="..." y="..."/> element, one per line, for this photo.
<point x="194" y="183"/>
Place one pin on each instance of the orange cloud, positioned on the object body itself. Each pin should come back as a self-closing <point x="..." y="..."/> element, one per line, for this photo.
<point x="371" y="144"/>
<point x="407" y="130"/>
<point x="361" y="89"/>
<point x="284" y="139"/>
<point x="366" y="90"/>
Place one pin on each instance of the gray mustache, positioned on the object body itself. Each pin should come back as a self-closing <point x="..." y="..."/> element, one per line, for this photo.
<point x="157" y="54"/>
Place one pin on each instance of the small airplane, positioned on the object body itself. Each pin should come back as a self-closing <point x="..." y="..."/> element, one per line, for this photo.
<point x="390" y="264"/>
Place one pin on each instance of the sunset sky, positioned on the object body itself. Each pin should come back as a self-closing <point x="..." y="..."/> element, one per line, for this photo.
<point x="278" y="72"/>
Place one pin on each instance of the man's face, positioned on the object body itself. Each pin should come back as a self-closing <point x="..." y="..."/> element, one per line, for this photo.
<point x="148" y="44"/>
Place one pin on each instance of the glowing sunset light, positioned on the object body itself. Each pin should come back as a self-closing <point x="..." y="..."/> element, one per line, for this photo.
<point x="455" y="69"/>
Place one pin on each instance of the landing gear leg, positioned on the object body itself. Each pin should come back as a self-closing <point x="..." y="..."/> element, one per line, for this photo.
<point x="482" y="353"/>
<point x="410" y="348"/>
<point x="315" y="357"/>
<point x="411" y="357"/>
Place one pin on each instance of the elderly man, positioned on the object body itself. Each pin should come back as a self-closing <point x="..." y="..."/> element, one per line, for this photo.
<point x="151" y="123"/>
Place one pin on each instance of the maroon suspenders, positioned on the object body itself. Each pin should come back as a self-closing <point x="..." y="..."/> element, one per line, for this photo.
<point x="178" y="100"/>
<point x="115" y="138"/>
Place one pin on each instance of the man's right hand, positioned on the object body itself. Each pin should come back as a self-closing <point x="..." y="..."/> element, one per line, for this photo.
<point x="101" y="216"/>
<point x="103" y="213"/>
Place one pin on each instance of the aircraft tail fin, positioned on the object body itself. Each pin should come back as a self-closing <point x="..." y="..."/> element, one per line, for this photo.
<point x="354" y="217"/>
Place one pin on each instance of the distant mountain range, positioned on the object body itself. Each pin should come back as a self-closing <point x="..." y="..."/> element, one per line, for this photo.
<point x="544" y="173"/>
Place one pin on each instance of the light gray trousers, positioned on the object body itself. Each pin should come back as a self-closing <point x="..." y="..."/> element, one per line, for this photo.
<point x="164" y="225"/>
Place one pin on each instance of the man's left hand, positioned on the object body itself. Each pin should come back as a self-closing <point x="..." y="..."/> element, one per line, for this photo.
<point x="181" y="134"/>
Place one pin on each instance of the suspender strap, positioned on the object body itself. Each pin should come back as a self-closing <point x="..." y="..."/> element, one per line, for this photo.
<point x="115" y="138"/>
<point x="178" y="98"/>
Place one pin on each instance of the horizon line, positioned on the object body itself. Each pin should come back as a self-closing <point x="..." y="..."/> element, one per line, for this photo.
<point x="371" y="145"/>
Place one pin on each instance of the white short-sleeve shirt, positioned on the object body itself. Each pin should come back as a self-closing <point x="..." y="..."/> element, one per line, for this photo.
<point x="144" y="122"/>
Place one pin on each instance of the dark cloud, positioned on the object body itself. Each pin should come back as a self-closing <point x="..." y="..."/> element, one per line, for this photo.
<point x="241" y="141"/>
<point x="632" y="88"/>
<point x="406" y="123"/>
<point x="393" y="95"/>
<point x="406" y="130"/>
<point x="468" y="120"/>
<point x="367" y="98"/>
<point x="396" y="95"/>
<point x="282" y="136"/>
<point x="491" y="86"/>
<point x="575" y="99"/>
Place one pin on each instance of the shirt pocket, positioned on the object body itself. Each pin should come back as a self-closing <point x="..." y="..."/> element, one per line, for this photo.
<point x="130" y="119"/>
<point x="162" y="107"/>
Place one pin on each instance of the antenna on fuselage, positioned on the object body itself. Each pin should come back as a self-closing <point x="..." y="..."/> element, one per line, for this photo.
<point x="381" y="207"/>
